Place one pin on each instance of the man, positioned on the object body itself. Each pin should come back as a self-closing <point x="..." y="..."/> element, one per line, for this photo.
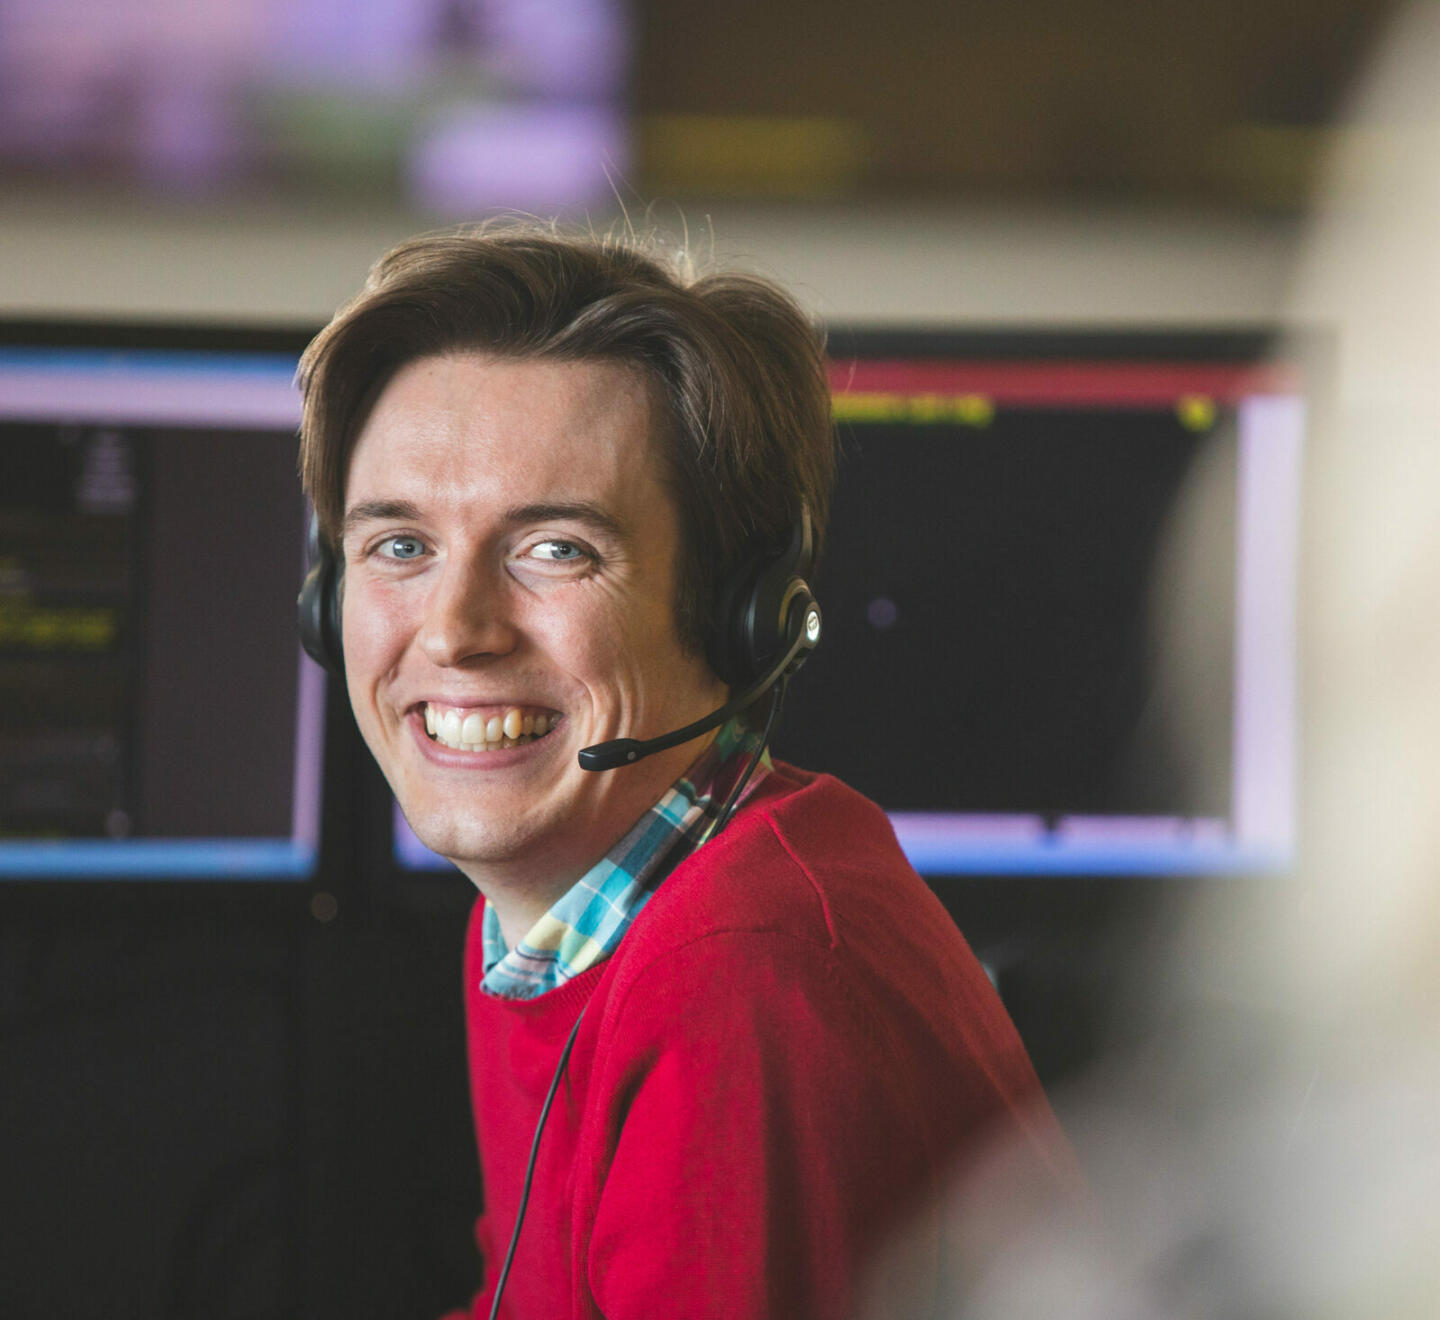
<point x="553" y="472"/>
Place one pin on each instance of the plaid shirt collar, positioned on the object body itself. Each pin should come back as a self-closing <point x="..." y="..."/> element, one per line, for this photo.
<point x="587" y="923"/>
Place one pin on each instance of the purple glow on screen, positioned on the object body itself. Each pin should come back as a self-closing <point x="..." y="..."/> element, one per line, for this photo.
<point x="1084" y="831"/>
<point x="159" y="395"/>
<point x="534" y="158"/>
<point x="523" y="102"/>
<point x="1271" y="436"/>
<point x="565" y="49"/>
<point x="925" y="828"/>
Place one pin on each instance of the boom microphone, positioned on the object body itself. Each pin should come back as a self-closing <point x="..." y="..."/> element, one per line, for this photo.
<point x="626" y="751"/>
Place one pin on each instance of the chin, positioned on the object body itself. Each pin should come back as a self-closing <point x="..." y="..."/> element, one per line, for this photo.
<point x="469" y="837"/>
<point x="462" y="841"/>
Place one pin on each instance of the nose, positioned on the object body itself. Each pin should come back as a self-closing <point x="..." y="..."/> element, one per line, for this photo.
<point x="466" y="616"/>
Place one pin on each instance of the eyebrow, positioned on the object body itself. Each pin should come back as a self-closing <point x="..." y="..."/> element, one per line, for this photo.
<point x="378" y="511"/>
<point x="581" y="511"/>
<point x="572" y="511"/>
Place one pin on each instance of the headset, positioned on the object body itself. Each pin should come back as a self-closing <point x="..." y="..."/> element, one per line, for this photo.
<point x="769" y="624"/>
<point x="319" y="603"/>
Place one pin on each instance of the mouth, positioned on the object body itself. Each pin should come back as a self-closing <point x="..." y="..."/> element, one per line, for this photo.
<point x="488" y="728"/>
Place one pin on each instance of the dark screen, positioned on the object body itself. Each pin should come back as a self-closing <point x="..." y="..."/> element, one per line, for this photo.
<point x="987" y="611"/>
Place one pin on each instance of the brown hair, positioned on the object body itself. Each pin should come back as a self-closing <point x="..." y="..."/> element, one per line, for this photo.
<point x="740" y="369"/>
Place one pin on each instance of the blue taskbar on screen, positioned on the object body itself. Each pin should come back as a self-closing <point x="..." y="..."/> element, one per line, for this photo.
<point x="156" y="859"/>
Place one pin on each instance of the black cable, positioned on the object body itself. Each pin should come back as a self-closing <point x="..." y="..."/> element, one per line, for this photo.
<point x="530" y="1167"/>
<point x="778" y="700"/>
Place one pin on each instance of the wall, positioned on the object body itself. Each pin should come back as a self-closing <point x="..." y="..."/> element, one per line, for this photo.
<point x="98" y="255"/>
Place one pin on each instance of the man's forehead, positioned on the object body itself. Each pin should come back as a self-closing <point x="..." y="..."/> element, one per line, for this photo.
<point x="482" y="397"/>
<point x="539" y="389"/>
<point x="528" y="431"/>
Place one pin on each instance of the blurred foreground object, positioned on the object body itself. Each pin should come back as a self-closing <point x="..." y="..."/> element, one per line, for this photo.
<point x="1274" y="1150"/>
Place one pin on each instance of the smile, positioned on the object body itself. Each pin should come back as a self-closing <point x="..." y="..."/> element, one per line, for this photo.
<point x="468" y="730"/>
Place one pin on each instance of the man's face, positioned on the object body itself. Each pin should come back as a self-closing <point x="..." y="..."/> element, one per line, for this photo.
<point x="510" y="557"/>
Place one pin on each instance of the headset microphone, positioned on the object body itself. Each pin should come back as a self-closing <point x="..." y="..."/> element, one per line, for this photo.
<point x="626" y="751"/>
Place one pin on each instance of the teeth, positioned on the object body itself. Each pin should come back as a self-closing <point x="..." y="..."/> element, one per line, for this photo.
<point x="477" y="733"/>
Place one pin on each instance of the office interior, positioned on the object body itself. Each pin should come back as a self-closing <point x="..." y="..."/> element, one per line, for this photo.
<point x="244" y="1094"/>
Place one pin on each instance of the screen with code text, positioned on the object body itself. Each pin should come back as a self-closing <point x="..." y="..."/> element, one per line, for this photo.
<point x="156" y="718"/>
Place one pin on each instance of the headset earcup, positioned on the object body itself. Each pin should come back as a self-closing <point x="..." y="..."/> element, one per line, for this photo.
<point x="319" y="610"/>
<point x="764" y="625"/>
<point x="728" y="654"/>
<point x="764" y="607"/>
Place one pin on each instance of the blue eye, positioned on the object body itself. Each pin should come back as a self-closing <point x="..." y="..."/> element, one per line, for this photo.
<point x="402" y="547"/>
<point x="558" y="551"/>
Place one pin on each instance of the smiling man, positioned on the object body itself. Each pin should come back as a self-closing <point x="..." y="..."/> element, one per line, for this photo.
<point x="510" y="553"/>
<point x="569" y="495"/>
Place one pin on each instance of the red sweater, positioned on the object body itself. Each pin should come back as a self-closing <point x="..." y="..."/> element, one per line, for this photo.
<point x="789" y="1050"/>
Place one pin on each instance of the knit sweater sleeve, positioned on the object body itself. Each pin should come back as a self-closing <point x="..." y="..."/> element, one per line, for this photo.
<point x="757" y="1130"/>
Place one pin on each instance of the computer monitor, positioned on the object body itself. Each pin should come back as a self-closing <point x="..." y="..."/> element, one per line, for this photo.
<point x="453" y="109"/>
<point x="1001" y="647"/>
<point x="1012" y="668"/>
<point x="157" y="718"/>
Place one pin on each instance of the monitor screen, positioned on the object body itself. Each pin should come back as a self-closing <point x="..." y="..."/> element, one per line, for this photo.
<point x="157" y="719"/>
<point x="1000" y="638"/>
<point x="999" y="669"/>
<point x="452" y="108"/>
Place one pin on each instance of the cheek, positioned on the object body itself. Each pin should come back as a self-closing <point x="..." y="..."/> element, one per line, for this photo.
<point x="374" y="626"/>
<point x="608" y="642"/>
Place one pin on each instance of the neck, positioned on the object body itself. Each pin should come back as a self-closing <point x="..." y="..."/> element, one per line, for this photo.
<point x="522" y="890"/>
<point x="518" y="913"/>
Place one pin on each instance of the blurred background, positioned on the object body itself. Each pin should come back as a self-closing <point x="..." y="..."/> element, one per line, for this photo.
<point x="1105" y="159"/>
<point x="1095" y="283"/>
